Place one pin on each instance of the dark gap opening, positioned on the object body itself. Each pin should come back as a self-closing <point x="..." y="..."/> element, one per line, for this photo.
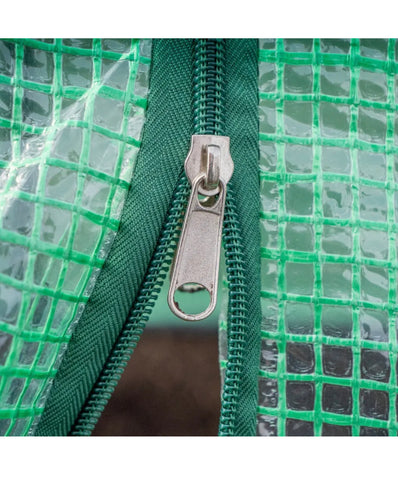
<point x="171" y="386"/>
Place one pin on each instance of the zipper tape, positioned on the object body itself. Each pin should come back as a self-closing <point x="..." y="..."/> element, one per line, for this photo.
<point x="89" y="372"/>
<point x="165" y="142"/>
<point x="242" y="238"/>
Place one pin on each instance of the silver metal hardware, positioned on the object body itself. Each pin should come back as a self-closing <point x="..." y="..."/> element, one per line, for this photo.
<point x="211" y="163"/>
<point x="209" y="167"/>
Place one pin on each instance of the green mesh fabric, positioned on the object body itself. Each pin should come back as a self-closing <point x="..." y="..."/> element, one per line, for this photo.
<point x="329" y="192"/>
<point x="71" y="115"/>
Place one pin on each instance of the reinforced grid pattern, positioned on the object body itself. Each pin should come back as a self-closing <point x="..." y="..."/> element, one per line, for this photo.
<point x="71" y="116"/>
<point x="329" y="190"/>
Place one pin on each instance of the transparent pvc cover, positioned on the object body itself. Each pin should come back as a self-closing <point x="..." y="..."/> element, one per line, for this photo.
<point x="329" y="207"/>
<point x="71" y="117"/>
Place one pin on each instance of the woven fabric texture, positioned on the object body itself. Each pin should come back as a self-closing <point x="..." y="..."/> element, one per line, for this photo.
<point x="71" y="116"/>
<point x="102" y="337"/>
<point x="329" y="193"/>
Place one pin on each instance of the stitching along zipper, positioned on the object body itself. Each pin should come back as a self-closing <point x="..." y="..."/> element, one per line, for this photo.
<point x="209" y="167"/>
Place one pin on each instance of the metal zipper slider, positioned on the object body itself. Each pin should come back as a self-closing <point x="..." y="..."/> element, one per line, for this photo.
<point x="209" y="167"/>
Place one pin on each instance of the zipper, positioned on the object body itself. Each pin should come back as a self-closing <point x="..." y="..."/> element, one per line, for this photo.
<point x="198" y="253"/>
<point x="209" y="107"/>
<point x="209" y="63"/>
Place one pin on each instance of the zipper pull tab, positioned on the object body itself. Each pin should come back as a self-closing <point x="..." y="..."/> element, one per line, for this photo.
<point x="209" y="167"/>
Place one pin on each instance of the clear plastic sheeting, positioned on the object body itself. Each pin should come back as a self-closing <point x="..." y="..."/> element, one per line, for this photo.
<point x="329" y="197"/>
<point x="71" y="117"/>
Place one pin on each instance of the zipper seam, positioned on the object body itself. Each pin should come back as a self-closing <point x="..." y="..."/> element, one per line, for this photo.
<point x="209" y="107"/>
<point x="138" y="317"/>
<point x="208" y="104"/>
<point x="237" y="312"/>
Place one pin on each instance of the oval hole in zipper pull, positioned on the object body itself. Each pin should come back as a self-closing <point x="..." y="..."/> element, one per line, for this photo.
<point x="209" y="167"/>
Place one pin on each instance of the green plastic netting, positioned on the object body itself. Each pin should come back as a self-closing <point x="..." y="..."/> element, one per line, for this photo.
<point x="329" y="192"/>
<point x="71" y="116"/>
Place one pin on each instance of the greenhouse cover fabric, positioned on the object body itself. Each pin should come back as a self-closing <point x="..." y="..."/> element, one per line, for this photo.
<point x="329" y="173"/>
<point x="328" y="141"/>
<point x="71" y="115"/>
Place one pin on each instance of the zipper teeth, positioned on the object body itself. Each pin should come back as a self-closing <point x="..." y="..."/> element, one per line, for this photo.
<point x="209" y="87"/>
<point x="208" y="118"/>
<point x="139" y="315"/>
<point x="237" y="312"/>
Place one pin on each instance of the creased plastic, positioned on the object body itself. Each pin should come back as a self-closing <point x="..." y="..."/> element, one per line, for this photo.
<point x="71" y="118"/>
<point x="328" y="173"/>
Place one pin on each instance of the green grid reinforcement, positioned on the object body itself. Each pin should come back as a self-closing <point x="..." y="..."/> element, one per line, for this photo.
<point x="329" y="190"/>
<point x="71" y="115"/>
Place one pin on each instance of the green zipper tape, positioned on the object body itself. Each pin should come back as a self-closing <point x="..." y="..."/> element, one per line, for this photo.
<point x="166" y="140"/>
<point x="225" y="103"/>
<point x="242" y="242"/>
<point x="208" y="87"/>
<point x="224" y="86"/>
